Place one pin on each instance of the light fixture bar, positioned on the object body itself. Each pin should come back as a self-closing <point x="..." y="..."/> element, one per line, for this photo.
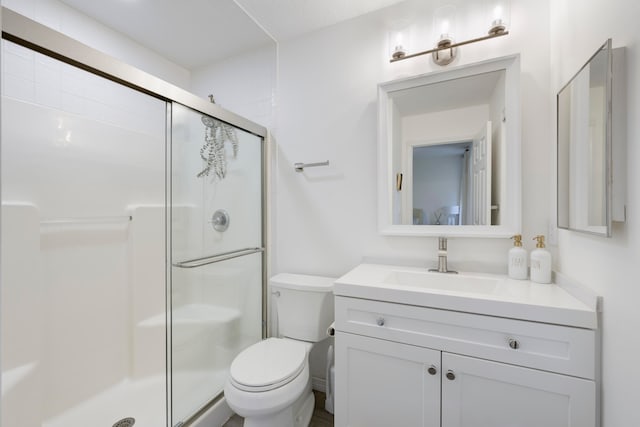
<point x="451" y="46"/>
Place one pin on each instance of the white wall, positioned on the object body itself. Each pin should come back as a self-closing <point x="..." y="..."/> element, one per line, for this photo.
<point x="244" y="84"/>
<point x="609" y="266"/>
<point x="326" y="218"/>
<point x="328" y="80"/>
<point x="74" y="24"/>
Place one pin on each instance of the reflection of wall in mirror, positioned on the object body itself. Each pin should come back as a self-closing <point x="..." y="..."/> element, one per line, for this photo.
<point x="396" y="155"/>
<point x="444" y="125"/>
<point x="597" y="215"/>
<point x="579" y="151"/>
<point x="499" y="150"/>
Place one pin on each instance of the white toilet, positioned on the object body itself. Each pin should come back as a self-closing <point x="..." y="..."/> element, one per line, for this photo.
<point x="269" y="383"/>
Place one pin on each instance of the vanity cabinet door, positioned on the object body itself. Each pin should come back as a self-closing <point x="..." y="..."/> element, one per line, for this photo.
<point x="383" y="383"/>
<point x="480" y="393"/>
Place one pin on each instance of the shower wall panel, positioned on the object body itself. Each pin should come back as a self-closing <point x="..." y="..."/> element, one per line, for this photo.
<point x="22" y="313"/>
<point x="81" y="155"/>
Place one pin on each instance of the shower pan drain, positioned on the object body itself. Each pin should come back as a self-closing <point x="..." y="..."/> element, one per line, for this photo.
<point x="125" y="422"/>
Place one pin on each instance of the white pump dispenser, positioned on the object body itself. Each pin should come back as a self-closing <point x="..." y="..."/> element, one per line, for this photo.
<point x="540" y="262"/>
<point x="517" y="259"/>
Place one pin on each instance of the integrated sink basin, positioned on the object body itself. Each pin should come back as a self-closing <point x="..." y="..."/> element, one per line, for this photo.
<point x="480" y="293"/>
<point x="443" y="282"/>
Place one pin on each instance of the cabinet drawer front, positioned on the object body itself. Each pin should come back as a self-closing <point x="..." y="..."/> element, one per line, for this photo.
<point x="548" y="347"/>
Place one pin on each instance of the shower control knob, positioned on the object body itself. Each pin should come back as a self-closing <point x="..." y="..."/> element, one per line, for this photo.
<point x="380" y="321"/>
<point x="220" y="220"/>
<point x="432" y="370"/>
<point x="450" y="375"/>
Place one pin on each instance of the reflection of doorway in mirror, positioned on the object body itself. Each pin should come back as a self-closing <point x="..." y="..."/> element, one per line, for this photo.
<point x="480" y="197"/>
<point x="439" y="180"/>
<point x="450" y="181"/>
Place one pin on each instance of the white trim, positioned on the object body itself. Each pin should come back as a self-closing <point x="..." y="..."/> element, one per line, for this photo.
<point x="217" y="415"/>
<point x="319" y="384"/>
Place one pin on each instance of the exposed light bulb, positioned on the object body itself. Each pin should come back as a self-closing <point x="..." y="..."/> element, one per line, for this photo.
<point x="398" y="43"/>
<point x="497" y="13"/>
<point x="445" y="26"/>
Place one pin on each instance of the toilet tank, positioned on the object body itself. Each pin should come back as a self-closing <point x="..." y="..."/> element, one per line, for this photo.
<point x="304" y="305"/>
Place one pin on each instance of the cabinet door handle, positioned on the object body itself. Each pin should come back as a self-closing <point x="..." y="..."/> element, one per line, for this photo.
<point x="450" y="375"/>
<point x="380" y="321"/>
<point x="432" y="370"/>
<point x="514" y="344"/>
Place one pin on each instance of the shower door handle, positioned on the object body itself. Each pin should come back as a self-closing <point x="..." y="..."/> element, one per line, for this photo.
<point x="199" y="262"/>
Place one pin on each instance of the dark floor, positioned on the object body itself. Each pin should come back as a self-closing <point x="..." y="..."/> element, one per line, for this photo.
<point x="321" y="418"/>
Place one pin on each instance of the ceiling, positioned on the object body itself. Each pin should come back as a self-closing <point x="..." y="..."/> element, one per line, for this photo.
<point x="194" y="33"/>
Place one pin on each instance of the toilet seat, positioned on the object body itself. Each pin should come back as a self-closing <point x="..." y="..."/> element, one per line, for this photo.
<point x="268" y="364"/>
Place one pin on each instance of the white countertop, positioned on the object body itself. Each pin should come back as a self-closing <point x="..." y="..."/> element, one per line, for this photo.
<point x="516" y="299"/>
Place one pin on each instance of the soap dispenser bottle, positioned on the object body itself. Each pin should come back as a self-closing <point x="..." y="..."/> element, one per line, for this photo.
<point x="540" y="262"/>
<point x="517" y="259"/>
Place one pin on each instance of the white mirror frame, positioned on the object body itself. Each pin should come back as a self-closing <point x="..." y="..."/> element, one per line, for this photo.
<point x="511" y="210"/>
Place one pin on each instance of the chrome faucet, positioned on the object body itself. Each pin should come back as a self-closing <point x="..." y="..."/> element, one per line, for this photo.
<point x="442" y="257"/>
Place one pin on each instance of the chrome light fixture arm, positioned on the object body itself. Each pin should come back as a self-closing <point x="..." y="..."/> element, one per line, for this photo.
<point x="449" y="46"/>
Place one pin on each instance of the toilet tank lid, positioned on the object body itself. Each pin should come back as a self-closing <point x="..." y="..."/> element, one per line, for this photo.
<point x="303" y="282"/>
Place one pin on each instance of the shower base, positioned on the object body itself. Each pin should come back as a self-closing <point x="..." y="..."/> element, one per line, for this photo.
<point x="144" y="400"/>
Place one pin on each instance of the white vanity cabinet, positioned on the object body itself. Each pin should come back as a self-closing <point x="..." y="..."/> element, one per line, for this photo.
<point x="481" y="393"/>
<point x="386" y="383"/>
<point x="404" y="365"/>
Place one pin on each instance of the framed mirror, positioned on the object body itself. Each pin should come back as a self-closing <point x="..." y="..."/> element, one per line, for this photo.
<point x="585" y="147"/>
<point x="449" y="152"/>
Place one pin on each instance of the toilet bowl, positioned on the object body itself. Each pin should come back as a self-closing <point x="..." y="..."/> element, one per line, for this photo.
<point x="266" y="382"/>
<point x="269" y="382"/>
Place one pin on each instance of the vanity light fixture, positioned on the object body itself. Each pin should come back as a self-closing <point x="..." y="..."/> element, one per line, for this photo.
<point x="444" y="27"/>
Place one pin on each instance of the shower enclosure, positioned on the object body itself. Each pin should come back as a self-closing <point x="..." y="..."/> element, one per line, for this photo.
<point x="131" y="274"/>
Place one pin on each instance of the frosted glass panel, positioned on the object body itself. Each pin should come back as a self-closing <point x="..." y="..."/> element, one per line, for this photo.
<point x="217" y="307"/>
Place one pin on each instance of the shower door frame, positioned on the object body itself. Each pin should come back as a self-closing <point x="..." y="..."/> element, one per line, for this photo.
<point x="40" y="38"/>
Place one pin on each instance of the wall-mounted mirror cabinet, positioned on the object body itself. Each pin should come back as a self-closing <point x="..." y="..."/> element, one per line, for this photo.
<point x="449" y="152"/>
<point x="587" y="159"/>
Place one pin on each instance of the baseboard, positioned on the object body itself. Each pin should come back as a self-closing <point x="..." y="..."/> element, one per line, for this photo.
<point x="319" y="384"/>
<point x="215" y="416"/>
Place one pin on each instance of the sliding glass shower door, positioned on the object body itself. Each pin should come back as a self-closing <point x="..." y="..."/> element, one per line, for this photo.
<point x="82" y="237"/>
<point x="216" y="255"/>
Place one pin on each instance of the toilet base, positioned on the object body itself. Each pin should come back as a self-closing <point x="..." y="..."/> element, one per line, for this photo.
<point x="297" y="415"/>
